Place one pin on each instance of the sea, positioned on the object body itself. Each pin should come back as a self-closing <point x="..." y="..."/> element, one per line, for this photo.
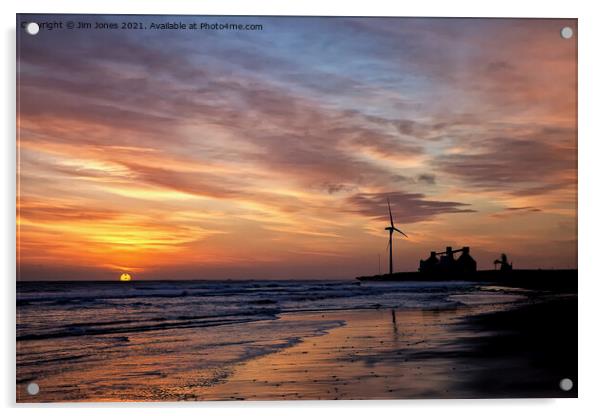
<point x="77" y="340"/>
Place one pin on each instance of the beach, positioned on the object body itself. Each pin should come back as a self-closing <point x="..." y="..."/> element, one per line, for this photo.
<point x="501" y="354"/>
<point x="299" y="341"/>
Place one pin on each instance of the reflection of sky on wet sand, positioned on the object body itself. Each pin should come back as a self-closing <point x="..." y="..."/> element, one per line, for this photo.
<point x="176" y="364"/>
<point x="369" y="358"/>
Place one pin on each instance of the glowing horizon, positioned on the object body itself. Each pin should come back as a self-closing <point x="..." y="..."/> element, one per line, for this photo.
<point x="270" y="154"/>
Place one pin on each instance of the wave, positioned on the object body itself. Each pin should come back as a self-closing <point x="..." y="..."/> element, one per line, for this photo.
<point x="84" y="309"/>
<point x="272" y="291"/>
<point x="120" y="326"/>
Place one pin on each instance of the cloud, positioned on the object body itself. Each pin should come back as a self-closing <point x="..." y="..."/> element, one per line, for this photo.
<point x="204" y="184"/>
<point x="537" y="164"/>
<point x="511" y="211"/>
<point x="50" y="211"/>
<point x="119" y="101"/>
<point x="298" y="128"/>
<point x="406" y="207"/>
<point x="529" y="209"/>
<point x="334" y="188"/>
<point x="427" y="178"/>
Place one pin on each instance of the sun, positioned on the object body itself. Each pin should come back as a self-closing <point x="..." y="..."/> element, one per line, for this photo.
<point x="125" y="277"/>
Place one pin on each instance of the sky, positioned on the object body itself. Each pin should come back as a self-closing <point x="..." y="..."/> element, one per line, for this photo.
<point x="182" y="154"/>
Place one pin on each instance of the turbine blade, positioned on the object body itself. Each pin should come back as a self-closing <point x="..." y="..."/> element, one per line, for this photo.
<point x="390" y="215"/>
<point x="399" y="231"/>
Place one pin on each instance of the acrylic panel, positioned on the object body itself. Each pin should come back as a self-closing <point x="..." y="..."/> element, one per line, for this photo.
<point x="295" y="208"/>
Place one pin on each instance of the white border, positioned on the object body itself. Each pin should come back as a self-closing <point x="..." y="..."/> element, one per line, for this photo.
<point x="590" y="207"/>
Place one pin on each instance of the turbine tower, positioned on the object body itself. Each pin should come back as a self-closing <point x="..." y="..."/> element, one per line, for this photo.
<point x="392" y="229"/>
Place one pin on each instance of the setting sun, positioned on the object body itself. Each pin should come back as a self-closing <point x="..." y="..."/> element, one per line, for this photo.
<point x="125" y="277"/>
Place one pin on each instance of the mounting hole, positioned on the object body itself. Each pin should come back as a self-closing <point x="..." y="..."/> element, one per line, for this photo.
<point x="32" y="28"/>
<point x="33" y="389"/>
<point x="566" y="384"/>
<point x="566" y="32"/>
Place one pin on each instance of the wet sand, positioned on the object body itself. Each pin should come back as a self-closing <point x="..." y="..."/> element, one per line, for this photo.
<point x="368" y="358"/>
<point x="526" y="352"/>
<point x="384" y="354"/>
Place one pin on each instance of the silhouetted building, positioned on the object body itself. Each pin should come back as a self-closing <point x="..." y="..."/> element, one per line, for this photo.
<point x="429" y="265"/>
<point x="465" y="263"/>
<point x="447" y="264"/>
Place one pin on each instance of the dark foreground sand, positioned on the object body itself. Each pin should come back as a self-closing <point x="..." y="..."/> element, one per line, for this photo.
<point x="526" y="351"/>
<point x="384" y="354"/>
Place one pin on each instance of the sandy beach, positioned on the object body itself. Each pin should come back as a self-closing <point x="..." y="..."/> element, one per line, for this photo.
<point x="523" y="352"/>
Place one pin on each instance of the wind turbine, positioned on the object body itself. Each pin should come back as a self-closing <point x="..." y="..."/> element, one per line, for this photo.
<point x="392" y="229"/>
